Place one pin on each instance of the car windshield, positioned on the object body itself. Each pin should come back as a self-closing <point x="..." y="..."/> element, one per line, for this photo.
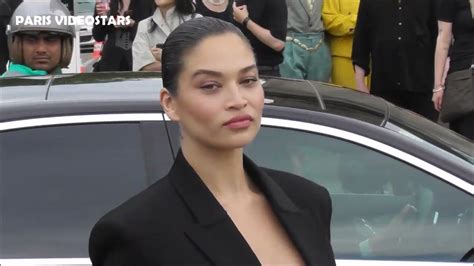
<point x="411" y="124"/>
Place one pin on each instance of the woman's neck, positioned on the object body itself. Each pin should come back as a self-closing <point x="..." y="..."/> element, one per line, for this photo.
<point x="222" y="171"/>
<point x="216" y="5"/>
<point x="165" y="9"/>
<point x="216" y="2"/>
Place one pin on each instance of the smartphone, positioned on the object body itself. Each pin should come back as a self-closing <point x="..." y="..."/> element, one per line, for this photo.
<point x="160" y="45"/>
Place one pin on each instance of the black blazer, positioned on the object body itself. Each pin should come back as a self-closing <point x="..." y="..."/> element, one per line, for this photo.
<point x="177" y="221"/>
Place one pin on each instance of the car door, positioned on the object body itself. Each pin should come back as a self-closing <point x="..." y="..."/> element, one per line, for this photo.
<point x="388" y="205"/>
<point x="59" y="175"/>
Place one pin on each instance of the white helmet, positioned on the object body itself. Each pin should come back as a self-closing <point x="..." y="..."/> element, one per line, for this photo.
<point x="41" y="8"/>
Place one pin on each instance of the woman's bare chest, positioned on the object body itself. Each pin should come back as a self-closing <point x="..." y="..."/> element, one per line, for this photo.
<point x="264" y="233"/>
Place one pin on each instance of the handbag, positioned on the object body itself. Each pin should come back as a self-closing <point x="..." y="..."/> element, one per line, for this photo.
<point x="458" y="98"/>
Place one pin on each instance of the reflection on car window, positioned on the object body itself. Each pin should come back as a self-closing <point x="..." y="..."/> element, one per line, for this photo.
<point x="17" y="89"/>
<point x="382" y="208"/>
<point x="58" y="181"/>
<point x="353" y="104"/>
<point x="405" y="121"/>
<point x="354" y="110"/>
<point x="107" y="85"/>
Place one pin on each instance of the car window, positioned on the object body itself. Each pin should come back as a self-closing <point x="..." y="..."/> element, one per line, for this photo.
<point x="56" y="182"/>
<point x="383" y="208"/>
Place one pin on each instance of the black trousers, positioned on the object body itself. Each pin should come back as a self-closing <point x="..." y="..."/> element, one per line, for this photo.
<point x="418" y="102"/>
<point x="464" y="126"/>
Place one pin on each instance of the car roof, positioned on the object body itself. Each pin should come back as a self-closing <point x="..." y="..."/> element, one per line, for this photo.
<point x="138" y="92"/>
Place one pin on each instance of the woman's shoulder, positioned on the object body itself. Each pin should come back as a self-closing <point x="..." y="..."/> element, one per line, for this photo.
<point x="143" y="207"/>
<point x="144" y="25"/>
<point x="146" y="20"/>
<point x="131" y="220"/>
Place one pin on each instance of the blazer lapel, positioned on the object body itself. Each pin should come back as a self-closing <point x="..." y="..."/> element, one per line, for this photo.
<point x="299" y="223"/>
<point x="302" y="230"/>
<point x="213" y="233"/>
<point x="223" y="244"/>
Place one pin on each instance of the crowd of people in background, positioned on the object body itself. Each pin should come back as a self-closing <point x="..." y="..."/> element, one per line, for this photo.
<point x="396" y="49"/>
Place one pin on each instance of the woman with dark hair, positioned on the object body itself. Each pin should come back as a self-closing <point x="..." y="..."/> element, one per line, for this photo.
<point x="221" y="9"/>
<point x="117" y="51"/>
<point x="153" y="31"/>
<point x="215" y="206"/>
<point x="456" y="22"/>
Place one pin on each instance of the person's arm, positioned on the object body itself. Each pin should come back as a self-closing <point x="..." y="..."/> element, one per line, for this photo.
<point x="262" y="34"/>
<point x="361" y="47"/>
<point x="376" y="244"/>
<point x="443" y="43"/>
<point x="142" y="56"/>
<point x="108" y="246"/>
<point x="360" y="79"/>
<point x="155" y="66"/>
<point x="116" y="258"/>
<point x="336" y="22"/>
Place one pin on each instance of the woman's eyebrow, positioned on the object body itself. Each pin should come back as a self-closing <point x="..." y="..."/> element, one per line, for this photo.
<point x="248" y="68"/>
<point x="219" y="74"/>
<point x="206" y="72"/>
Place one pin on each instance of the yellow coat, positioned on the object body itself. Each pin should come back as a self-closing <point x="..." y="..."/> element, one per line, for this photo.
<point x="339" y="17"/>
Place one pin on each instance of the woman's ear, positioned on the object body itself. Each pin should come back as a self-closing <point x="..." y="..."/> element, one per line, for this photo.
<point x="169" y="105"/>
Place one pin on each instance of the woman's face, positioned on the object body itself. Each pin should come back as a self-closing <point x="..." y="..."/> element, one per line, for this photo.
<point x="219" y="99"/>
<point x="165" y="3"/>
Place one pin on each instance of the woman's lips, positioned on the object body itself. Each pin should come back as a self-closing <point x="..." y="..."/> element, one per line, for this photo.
<point x="242" y="121"/>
